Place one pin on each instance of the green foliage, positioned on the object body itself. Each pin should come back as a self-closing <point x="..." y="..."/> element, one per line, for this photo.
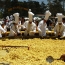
<point x="23" y="7"/>
<point x="55" y="6"/>
<point x="8" y="7"/>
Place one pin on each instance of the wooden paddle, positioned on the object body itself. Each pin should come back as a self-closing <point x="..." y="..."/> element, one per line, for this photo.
<point x="4" y="46"/>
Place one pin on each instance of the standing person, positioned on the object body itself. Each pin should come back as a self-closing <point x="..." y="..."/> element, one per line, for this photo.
<point x="14" y="30"/>
<point x="36" y="21"/>
<point x="59" y="29"/>
<point x="42" y="24"/>
<point x="30" y="26"/>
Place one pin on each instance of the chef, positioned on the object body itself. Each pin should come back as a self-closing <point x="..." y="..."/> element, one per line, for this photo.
<point x="30" y="26"/>
<point x="59" y="28"/>
<point x="14" y="30"/>
<point x="42" y="24"/>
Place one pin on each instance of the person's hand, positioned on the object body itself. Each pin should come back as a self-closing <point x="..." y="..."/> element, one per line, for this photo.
<point x="24" y="28"/>
<point x="15" y="34"/>
<point x="59" y="33"/>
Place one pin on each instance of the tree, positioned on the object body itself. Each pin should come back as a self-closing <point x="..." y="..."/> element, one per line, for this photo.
<point x="43" y="8"/>
<point x="34" y="6"/>
<point x="55" y="6"/>
<point x="9" y="7"/>
<point x="7" y="4"/>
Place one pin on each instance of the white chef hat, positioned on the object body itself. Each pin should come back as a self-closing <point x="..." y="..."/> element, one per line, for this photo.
<point x="30" y="16"/>
<point x="59" y="16"/>
<point x="16" y="15"/>
<point x="47" y="14"/>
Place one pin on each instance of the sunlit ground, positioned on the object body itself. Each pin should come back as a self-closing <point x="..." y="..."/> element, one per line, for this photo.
<point x="39" y="50"/>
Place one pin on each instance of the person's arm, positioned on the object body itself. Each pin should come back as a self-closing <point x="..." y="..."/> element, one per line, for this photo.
<point x="17" y="29"/>
<point x="5" y="28"/>
<point x="39" y="26"/>
<point x="2" y="29"/>
<point x="12" y="30"/>
<point x="24" y="25"/>
<point x="55" y="29"/>
<point x="34" y="28"/>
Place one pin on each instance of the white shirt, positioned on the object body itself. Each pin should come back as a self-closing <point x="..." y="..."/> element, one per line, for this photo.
<point x="13" y="29"/>
<point x="42" y="27"/>
<point x="61" y="30"/>
<point x="1" y="30"/>
<point x="30" y="27"/>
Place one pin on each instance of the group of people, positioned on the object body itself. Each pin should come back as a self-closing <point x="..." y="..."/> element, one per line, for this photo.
<point x="15" y="24"/>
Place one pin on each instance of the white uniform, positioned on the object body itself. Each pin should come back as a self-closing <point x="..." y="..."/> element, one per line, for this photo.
<point x="29" y="27"/>
<point x="5" y="28"/>
<point x="1" y="30"/>
<point x="42" y="24"/>
<point x="19" y="25"/>
<point x="60" y="29"/>
<point x="42" y="28"/>
<point x="13" y="30"/>
<point x="14" y="27"/>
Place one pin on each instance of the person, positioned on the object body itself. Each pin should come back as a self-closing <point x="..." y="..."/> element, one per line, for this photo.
<point x="59" y="29"/>
<point x="19" y="24"/>
<point x="42" y="24"/>
<point x="36" y="21"/>
<point x="11" y="17"/>
<point x="49" y="24"/>
<point x="63" y="20"/>
<point x="7" y="18"/>
<point x="14" y="30"/>
<point x="29" y="26"/>
<point x="2" y="31"/>
<point x="5" y="28"/>
<point x="49" y="21"/>
<point x="22" y="22"/>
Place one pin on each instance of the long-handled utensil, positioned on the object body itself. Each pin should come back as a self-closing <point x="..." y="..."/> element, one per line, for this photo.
<point x="50" y="59"/>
